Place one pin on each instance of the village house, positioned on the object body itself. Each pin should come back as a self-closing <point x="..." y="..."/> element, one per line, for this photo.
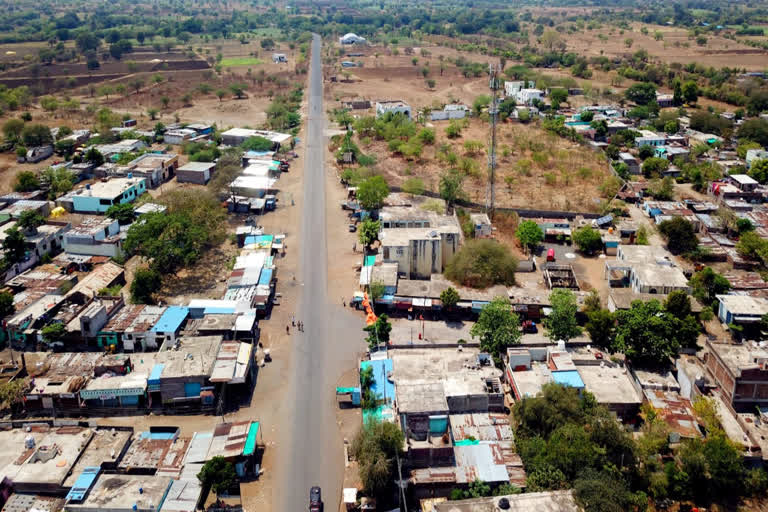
<point x="631" y="162"/>
<point x="649" y="138"/>
<point x="741" y="309"/>
<point x="754" y="155"/>
<point x="236" y="137"/>
<point x="278" y="58"/>
<point x="95" y="236"/>
<point x="157" y="168"/>
<point x="741" y="372"/>
<point x="393" y="106"/>
<point x="195" y="172"/>
<point x="419" y="252"/>
<point x="123" y="493"/>
<point x="97" y="198"/>
<point x="645" y="269"/>
<point x="550" y="501"/>
<point x="118" y="148"/>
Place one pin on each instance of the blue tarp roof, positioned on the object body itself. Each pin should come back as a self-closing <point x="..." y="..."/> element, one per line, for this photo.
<point x="570" y="378"/>
<point x="161" y="436"/>
<point x="154" y="375"/>
<point x="172" y="319"/>
<point x="83" y="483"/>
<point x="266" y="276"/>
<point x="382" y="387"/>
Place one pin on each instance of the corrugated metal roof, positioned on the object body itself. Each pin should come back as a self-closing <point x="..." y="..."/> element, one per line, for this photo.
<point x="171" y="320"/>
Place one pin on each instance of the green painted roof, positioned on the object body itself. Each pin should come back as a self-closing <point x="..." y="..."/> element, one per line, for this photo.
<point x="250" y="441"/>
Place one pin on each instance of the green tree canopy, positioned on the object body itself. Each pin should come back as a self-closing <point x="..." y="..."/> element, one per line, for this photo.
<point x="601" y="326"/>
<point x="375" y="447"/>
<point x="368" y="231"/>
<point x="14" y="245"/>
<point x="642" y="93"/>
<point x="218" y="473"/>
<point x="647" y="334"/>
<point x="561" y="323"/>
<point x="481" y="263"/>
<point x="588" y="239"/>
<point x="707" y="284"/>
<point x="449" y="297"/>
<point x="497" y="327"/>
<point x="379" y="331"/>
<point x="257" y="144"/>
<point x="30" y="220"/>
<point x="372" y="192"/>
<point x="450" y="186"/>
<point x="123" y="213"/>
<point x="680" y="235"/>
<point x="146" y="282"/>
<point x="7" y="307"/>
<point x="529" y="234"/>
<point x="26" y="181"/>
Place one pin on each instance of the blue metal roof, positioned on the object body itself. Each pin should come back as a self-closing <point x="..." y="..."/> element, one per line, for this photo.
<point x="83" y="483"/>
<point x="266" y="276"/>
<point x="569" y="378"/>
<point x="154" y="375"/>
<point x="172" y="319"/>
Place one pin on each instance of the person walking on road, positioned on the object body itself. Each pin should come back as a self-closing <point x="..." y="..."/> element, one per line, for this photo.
<point x="293" y="321"/>
<point x="287" y="329"/>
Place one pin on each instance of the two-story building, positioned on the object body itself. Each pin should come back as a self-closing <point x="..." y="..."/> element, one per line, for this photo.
<point x="95" y="236"/>
<point x="97" y="198"/>
<point x="157" y="168"/>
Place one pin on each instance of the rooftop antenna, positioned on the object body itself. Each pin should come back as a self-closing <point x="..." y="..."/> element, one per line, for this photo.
<point x="493" y="112"/>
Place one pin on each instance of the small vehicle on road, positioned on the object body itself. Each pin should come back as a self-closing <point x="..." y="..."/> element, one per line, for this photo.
<point x="352" y="228"/>
<point x="315" y="499"/>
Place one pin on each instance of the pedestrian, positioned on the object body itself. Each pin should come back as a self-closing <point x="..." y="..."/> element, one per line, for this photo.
<point x="354" y="247"/>
<point x="343" y="302"/>
<point x="287" y="329"/>
<point x="301" y="326"/>
<point x="293" y="321"/>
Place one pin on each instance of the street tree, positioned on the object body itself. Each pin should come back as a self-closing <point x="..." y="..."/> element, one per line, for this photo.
<point x="497" y="327"/>
<point x="368" y="232"/>
<point x="561" y="323"/>
<point x="529" y="234"/>
<point x="647" y="334"/>
<point x="600" y="326"/>
<point x="372" y="192"/>
<point x="218" y="473"/>
<point x="588" y="240"/>
<point x="449" y="297"/>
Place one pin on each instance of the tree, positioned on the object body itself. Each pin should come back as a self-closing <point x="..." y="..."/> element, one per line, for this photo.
<point x="759" y="170"/>
<point x="645" y="152"/>
<point x="558" y="96"/>
<point x="36" y="135"/>
<point x="529" y="234"/>
<point x="165" y="100"/>
<point x="552" y="41"/>
<point x="7" y="307"/>
<point x="449" y="297"/>
<point x="413" y="186"/>
<point x="12" y="392"/>
<point x="497" y="327"/>
<point x="238" y="90"/>
<point x="26" y="181"/>
<point x="146" y="282"/>
<point x="482" y="263"/>
<point x="600" y="326"/>
<point x="480" y="103"/>
<point x="375" y="447"/>
<point x="680" y="235"/>
<point x="642" y="93"/>
<point x="372" y="192"/>
<point x="561" y="323"/>
<point x="368" y="232"/>
<point x="453" y="130"/>
<point x="94" y="156"/>
<point x="267" y="43"/>
<point x="122" y="213"/>
<point x="653" y="167"/>
<point x="378" y="332"/>
<point x="678" y="304"/>
<point x="218" y="473"/>
<point x="137" y="84"/>
<point x="257" y="144"/>
<point x="53" y="332"/>
<point x="507" y="106"/>
<point x="451" y="186"/>
<point x="707" y="284"/>
<point x="86" y="41"/>
<point x="588" y="240"/>
<point x="60" y="181"/>
<point x="30" y="220"/>
<point x="12" y="129"/>
<point x="14" y="246"/>
<point x="647" y="334"/>
<point x="152" y="113"/>
<point x="690" y="91"/>
<point x="755" y="130"/>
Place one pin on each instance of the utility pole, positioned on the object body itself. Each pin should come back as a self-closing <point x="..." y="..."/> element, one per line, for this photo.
<point x="493" y="112"/>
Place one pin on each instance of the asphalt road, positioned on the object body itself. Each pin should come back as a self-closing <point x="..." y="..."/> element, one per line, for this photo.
<point x="312" y="448"/>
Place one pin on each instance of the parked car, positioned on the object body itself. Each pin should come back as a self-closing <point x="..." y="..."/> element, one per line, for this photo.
<point x="550" y="255"/>
<point x="315" y="499"/>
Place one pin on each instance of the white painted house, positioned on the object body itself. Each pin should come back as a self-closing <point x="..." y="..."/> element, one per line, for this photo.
<point x="383" y="107"/>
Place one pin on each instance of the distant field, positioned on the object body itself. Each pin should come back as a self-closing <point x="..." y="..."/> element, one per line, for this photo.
<point x="231" y="62"/>
<point x="764" y="28"/>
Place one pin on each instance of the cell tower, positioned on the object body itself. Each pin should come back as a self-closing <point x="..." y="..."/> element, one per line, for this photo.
<point x="493" y="112"/>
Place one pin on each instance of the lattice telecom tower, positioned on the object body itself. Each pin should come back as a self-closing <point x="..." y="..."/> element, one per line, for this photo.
<point x="493" y="112"/>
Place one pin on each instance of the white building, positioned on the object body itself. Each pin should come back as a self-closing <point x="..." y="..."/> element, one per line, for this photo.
<point x="95" y="236"/>
<point x="528" y="96"/>
<point x="351" y="38"/>
<point x="754" y="155"/>
<point x="383" y="107"/>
